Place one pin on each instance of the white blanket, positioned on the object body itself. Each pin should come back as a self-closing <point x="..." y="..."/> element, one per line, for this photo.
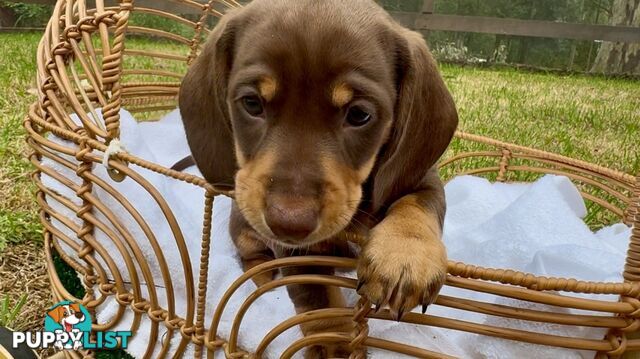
<point x="537" y="228"/>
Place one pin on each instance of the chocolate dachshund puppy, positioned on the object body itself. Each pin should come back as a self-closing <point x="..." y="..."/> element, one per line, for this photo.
<point x="326" y="117"/>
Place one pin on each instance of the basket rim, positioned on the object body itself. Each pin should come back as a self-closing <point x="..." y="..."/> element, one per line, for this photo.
<point x="57" y="47"/>
<point x="500" y="275"/>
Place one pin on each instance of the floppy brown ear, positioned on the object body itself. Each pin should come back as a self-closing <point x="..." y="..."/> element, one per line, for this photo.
<point x="203" y="106"/>
<point x="56" y="313"/>
<point x="426" y="119"/>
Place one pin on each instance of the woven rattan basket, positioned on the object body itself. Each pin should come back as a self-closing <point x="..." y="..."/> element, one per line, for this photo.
<point x="109" y="57"/>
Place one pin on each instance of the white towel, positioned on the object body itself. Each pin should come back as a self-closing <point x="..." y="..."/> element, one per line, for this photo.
<point x="535" y="227"/>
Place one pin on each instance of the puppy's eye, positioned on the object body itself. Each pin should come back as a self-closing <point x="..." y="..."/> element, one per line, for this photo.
<point x="253" y="105"/>
<point x="357" y="117"/>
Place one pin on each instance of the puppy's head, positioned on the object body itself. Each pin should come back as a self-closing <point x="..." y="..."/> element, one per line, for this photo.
<point x="307" y="106"/>
<point x="67" y="315"/>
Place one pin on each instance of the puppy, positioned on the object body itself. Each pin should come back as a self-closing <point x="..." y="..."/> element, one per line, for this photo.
<point x="327" y="117"/>
<point x="67" y="316"/>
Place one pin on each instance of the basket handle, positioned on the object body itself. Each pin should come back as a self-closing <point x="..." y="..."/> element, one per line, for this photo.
<point x="112" y="70"/>
<point x="632" y="266"/>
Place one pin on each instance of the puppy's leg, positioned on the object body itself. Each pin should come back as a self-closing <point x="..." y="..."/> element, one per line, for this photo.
<point x="307" y="297"/>
<point x="251" y="248"/>
<point x="404" y="262"/>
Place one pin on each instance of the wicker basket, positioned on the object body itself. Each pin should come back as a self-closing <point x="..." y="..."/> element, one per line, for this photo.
<point x="93" y="58"/>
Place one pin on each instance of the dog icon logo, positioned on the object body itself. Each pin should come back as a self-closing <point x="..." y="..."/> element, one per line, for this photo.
<point x="67" y="326"/>
<point x="69" y="321"/>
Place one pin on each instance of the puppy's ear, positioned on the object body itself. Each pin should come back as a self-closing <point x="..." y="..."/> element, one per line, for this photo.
<point x="56" y="313"/>
<point x="203" y="105"/>
<point x="75" y="307"/>
<point x="425" y="121"/>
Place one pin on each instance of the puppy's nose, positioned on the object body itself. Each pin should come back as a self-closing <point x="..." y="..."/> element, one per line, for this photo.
<point x="291" y="217"/>
<point x="79" y="315"/>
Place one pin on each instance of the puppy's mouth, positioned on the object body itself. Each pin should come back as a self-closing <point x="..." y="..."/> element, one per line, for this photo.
<point x="68" y="327"/>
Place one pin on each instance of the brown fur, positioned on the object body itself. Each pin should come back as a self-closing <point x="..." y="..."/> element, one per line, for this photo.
<point x="301" y="163"/>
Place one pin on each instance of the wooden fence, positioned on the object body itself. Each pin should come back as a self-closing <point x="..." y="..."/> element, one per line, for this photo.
<point x="427" y="20"/>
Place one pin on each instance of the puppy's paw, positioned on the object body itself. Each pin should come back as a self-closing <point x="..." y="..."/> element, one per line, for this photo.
<point x="401" y="268"/>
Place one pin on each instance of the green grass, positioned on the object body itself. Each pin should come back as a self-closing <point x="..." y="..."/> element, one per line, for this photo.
<point x="18" y="217"/>
<point x="9" y="311"/>
<point x="594" y="119"/>
<point x="591" y="118"/>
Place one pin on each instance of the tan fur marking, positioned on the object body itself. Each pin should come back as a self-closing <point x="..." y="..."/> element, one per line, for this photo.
<point x="342" y="94"/>
<point x="242" y="160"/>
<point x="250" y="190"/>
<point x="409" y="220"/>
<point x="405" y="250"/>
<point x="340" y="200"/>
<point x="268" y="87"/>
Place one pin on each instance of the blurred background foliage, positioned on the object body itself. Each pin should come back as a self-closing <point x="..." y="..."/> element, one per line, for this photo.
<point x="457" y="47"/>
<point x="537" y="52"/>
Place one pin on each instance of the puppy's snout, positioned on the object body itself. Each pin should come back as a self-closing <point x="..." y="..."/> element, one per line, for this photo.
<point x="291" y="217"/>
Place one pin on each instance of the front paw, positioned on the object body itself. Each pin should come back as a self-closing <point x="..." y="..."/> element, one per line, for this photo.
<point x="401" y="268"/>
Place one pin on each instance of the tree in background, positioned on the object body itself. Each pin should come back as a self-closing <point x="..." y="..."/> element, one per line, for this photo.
<point x="468" y="47"/>
<point x="532" y="51"/>
<point x="617" y="57"/>
<point x="18" y="14"/>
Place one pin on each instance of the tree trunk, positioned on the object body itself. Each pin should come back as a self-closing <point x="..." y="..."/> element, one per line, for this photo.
<point x="620" y="57"/>
<point x="7" y="17"/>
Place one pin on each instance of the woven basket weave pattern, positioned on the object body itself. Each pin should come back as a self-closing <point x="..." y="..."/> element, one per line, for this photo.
<point x="83" y="65"/>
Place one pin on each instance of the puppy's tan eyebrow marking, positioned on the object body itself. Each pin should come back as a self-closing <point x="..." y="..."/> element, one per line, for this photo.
<point x="267" y="87"/>
<point x="342" y="94"/>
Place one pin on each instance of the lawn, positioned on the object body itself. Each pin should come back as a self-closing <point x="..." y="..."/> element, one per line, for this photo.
<point x="591" y="118"/>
